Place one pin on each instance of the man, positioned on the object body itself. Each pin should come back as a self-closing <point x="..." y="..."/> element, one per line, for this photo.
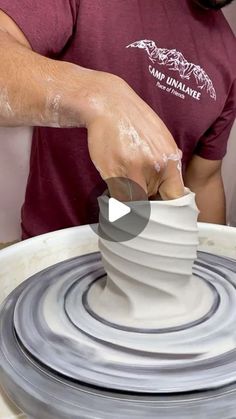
<point x="119" y="88"/>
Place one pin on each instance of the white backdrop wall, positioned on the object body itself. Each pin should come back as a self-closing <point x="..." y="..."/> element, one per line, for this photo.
<point x="14" y="164"/>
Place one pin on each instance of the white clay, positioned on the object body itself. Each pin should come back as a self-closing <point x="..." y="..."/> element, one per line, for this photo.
<point x="5" y="107"/>
<point x="149" y="281"/>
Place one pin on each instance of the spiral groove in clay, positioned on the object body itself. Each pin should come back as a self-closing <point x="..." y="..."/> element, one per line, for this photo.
<point x="149" y="278"/>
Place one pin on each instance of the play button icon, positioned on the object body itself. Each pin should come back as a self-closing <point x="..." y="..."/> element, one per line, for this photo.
<point x="119" y="219"/>
<point x="117" y="210"/>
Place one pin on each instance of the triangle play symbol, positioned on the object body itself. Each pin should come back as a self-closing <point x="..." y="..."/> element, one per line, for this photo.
<point x="117" y="210"/>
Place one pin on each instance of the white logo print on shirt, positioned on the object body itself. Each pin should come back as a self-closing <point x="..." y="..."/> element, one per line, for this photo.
<point x="175" y="61"/>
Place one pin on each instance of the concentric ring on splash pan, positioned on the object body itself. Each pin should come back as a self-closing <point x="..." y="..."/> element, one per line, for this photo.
<point x="215" y="305"/>
<point x="197" y="358"/>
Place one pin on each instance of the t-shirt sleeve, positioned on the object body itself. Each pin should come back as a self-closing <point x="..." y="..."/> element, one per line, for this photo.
<point x="47" y="24"/>
<point x="213" y="144"/>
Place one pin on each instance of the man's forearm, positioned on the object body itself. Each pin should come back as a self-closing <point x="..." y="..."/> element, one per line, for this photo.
<point x="35" y="90"/>
<point x="126" y="138"/>
<point x="210" y="199"/>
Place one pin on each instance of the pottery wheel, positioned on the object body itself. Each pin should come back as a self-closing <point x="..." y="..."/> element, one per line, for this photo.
<point x="57" y="355"/>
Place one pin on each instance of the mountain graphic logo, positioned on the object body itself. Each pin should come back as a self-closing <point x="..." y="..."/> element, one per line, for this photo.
<point x="175" y="61"/>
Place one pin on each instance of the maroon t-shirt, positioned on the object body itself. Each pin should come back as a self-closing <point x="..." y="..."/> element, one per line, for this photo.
<point x="178" y="57"/>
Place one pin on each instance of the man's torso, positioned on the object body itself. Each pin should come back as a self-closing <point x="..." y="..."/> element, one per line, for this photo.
<point x="170" y="53"/>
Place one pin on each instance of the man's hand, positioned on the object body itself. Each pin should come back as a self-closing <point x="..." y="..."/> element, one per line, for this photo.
<point x="204" y="178"/>
<point x="125" y="136"/>
<point x="127" y="139"/>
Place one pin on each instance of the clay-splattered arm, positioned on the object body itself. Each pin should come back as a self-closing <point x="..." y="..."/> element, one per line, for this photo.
<point x="126" y="138"/>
